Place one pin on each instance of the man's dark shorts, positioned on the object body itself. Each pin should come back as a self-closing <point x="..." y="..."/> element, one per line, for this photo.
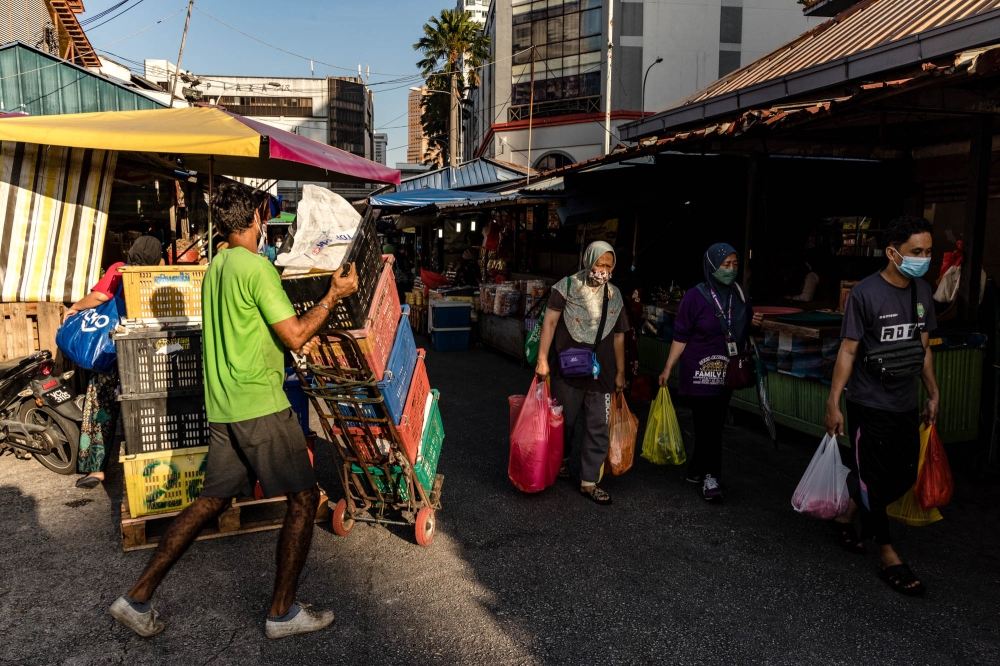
<point x="271" y="449"/>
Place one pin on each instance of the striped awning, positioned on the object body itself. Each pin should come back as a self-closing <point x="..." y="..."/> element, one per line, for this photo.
<point x="53" y="215"/>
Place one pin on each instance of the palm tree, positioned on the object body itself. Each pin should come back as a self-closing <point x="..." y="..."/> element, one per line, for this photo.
<point x="448" y="38"/>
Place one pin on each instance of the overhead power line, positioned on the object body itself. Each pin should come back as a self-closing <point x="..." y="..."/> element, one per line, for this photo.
<point x="130" y="7"/>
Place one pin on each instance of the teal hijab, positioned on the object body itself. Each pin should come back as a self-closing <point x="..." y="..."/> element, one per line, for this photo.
<point x="582" y="313"/>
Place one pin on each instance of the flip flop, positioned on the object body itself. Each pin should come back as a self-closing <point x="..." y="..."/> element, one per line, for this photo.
<point x="88" y="482"/>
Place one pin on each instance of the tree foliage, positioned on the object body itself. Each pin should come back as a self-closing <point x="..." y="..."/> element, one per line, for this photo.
<point x="448" y="39"/>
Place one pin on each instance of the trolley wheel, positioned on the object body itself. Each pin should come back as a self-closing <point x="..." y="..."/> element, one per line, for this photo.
<point x="425" y="526"/>
<point x="341" y="525"/>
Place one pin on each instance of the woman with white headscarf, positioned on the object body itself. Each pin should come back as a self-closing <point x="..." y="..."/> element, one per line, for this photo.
<point x="572" y="321"/>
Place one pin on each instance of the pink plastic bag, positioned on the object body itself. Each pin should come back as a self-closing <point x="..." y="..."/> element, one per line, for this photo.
<point x="516" y="403"/>
<point x="529" y="463"/>
<point x="822" y="492"/>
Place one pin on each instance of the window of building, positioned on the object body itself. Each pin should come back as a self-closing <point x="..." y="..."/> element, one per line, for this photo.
<point x="566" y="38"/>
<point x="731" y="25"/>
<point x="553" y="161"/>
<point x="268" y="106"/>
<point x="729" y="61"/>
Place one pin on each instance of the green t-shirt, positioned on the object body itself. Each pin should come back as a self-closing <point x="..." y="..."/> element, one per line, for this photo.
<point x="241" y="296"/>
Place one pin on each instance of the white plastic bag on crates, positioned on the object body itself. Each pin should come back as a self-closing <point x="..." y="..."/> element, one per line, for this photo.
<point x="324" y="228"/>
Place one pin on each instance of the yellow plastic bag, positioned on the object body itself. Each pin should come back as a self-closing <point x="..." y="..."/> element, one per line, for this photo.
<point x="663" y="443"/>
<point x="905" y="509"/>
<point x="623" y="427"/>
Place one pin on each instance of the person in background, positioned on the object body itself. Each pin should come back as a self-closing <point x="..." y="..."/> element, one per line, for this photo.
<point x="248" y="322"/>
<point x="468" y="273"/>
<point x="270" y="253"/>
<point x="701" y="348"/>
<point x="811" y="281"/>
<point x="278" y="241"/>
<point x="100" y="405"/>
<point x="892" y="306"/>
<point x="572" y="320"/>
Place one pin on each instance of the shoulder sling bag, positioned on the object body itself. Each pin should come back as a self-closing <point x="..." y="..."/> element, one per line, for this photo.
<point x="582" y="361"/>
<point x="741" y="370"/>
<point x="899" y="360"/>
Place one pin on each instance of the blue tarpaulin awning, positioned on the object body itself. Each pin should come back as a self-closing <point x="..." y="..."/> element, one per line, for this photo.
<point x="426" y="197"/>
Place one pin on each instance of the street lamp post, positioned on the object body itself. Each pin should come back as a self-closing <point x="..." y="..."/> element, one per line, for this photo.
<point x="655" y="62"/>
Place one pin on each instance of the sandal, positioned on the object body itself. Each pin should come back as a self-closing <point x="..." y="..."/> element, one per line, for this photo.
<point x="847" y="537"/>
<point x="88" y="482"/>
<point x="596" y="494"/>
<point x="899" y="577"/>
<point x="564" y="470"/>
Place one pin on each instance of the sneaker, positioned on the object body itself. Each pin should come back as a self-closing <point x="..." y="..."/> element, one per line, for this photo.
<point x="307" y="620"/>
<point x="146" y="624"/>
<point x="692" y="479"/>
<point x="710" y="489"/>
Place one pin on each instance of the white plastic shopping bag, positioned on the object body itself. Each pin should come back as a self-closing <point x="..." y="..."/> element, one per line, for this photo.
<point x="325" y="225"/>
<point x="822" y="492"/>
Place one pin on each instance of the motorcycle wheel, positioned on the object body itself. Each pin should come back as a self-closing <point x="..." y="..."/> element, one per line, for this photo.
<point x="62" y="459"/>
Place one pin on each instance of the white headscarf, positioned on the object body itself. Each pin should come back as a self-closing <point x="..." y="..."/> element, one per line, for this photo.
<point x="584" y="303"/>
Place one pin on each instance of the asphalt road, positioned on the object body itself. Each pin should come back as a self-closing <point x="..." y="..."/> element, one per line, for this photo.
<point x="658" y="577"/>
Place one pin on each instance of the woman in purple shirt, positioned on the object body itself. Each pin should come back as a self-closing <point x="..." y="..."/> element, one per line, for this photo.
<point x="700" y="346"/>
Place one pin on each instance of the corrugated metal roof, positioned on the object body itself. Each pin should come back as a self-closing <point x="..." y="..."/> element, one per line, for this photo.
<point x="39" y="84"/>
<point x="475" y="173"/>
<point x="864" y="26"/>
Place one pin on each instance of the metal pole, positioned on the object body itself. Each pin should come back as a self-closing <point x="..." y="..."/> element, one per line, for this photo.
<point x="531" y="112"/>
<point x="211" y="232"/>
<point x="607" y="85"/>
<point x="453" y="122"/>
<point x="177" y="70"/>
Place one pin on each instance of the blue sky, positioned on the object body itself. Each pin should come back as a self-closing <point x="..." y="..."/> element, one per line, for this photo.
<point x="377" y="33"/>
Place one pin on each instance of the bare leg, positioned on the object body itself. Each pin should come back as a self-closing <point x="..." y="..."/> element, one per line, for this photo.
<point x="889" y="558"/>
<point x="179" y="536"/>
<point x="293" y="547"/>
<point x="849" y="516"/>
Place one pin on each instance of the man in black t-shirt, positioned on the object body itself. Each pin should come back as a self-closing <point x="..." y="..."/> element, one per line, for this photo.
<point x="892" y="307"/>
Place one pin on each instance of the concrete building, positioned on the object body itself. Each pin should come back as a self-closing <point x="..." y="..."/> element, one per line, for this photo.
<point x="476" y="9"/>
<point x="699" y="41"/>
<point x="381" y="143"/>
<point x="416" y="139"/>
<point x="337" y="111"/>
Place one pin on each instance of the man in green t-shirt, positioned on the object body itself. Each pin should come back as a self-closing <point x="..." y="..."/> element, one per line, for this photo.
<point x="248" y="322"/>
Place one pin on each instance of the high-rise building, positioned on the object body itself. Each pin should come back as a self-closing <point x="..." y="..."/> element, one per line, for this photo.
<point x="476" y="9"/>
<point x="416" y="139"/>
<point x="565" y="42"/>
<point x="381" y="143"/>
<point x="337" y="111"/>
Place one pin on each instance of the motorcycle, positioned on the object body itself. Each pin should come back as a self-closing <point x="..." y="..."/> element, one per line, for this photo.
<point x="39" y="413"/>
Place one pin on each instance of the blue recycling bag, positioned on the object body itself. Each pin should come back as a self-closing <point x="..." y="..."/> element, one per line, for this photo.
<point x="85" y="338"/>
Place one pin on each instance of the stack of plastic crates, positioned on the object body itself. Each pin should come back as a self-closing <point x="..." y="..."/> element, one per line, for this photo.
<point x="377" y="459"/>
<point x="163" y="414"/>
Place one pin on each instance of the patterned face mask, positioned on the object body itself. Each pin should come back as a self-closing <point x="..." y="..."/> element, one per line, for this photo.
<point x="600" y="277"/>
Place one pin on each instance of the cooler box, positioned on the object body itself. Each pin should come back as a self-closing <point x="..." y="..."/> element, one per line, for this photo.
<point x="411" y="426"/>
<point x="450" y="325"/>
<point x="395" y="383"/>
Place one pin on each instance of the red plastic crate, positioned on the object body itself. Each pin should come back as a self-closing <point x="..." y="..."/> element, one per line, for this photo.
<point x="411" y="427"/>
<point x="376" y="338"/>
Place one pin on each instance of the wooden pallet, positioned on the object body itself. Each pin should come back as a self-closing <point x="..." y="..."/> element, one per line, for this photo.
<point x="245" y="516"/>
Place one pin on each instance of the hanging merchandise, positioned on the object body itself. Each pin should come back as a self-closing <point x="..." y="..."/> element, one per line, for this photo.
<point x="822" y="492"/>
<point x="532" y="340"/>
<point x="663" y="443"/>
<point x="529" y="441"/>
<point x="623" y="427"/>
<point x="85" y="338"/>
<point x="935" y="484"/>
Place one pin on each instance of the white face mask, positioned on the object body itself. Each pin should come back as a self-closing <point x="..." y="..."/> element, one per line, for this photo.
<point x="262" y="241"/>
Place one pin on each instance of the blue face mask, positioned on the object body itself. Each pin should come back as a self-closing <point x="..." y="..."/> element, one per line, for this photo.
<point x="913" y="267"/>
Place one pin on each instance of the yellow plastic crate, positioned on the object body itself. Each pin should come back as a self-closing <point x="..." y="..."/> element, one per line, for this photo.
<point x="163" y="293"/>
<point x="164" y="481"/>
